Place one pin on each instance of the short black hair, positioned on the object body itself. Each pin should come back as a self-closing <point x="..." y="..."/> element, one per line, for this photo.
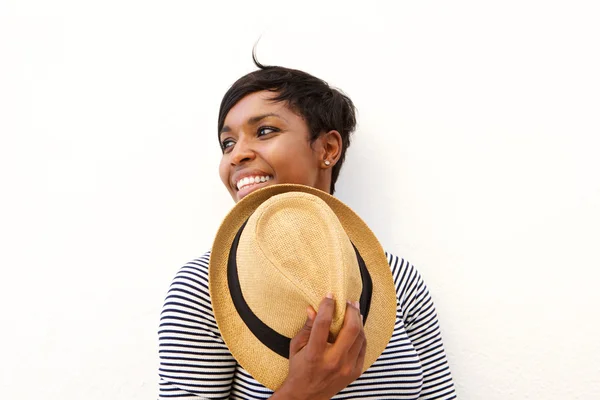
<point x="323" y="107"/>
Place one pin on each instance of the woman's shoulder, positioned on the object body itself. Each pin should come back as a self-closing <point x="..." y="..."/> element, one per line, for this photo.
<point x="199" y="262"/>
<point x="196" y="269"/>
<point x="407" y="279"/>
<point x="399" y="265"/>
<point x="190" y="283"/>
<point x="188" y="297"/>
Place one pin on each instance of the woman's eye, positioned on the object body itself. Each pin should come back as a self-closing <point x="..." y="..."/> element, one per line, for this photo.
<point x="265" y="130"/>
<point x="227" y="144"/>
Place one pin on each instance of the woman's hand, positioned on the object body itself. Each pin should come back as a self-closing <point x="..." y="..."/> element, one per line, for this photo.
<point x="319" y="369"/>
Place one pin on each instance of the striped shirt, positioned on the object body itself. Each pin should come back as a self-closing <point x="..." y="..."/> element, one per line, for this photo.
<point x="196" y="364"/>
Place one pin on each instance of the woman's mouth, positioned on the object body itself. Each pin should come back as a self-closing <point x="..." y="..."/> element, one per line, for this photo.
<point x="250" y="183"/>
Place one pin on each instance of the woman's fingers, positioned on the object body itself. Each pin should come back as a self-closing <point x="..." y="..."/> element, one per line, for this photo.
<point x="360" y="359"/>
<point x="356" y="353"/>
<point x="301" y="338"/>
<point x="320" y="328"/>
<point x="352" y="330"/>
<point x="320" y="369"/>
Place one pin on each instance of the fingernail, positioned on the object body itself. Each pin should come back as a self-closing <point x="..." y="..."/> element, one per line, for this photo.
<point x="329" y="295"/>
<point x="357" y="305"/>
<point x="361" y="318"/>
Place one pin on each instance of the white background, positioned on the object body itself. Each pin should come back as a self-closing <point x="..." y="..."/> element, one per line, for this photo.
<point x="476" y="158"/>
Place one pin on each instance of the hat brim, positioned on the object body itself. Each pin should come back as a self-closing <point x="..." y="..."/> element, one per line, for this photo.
<point x="267" y="367"/>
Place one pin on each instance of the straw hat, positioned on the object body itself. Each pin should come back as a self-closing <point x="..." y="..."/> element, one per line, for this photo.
<point x="282" y="248"/>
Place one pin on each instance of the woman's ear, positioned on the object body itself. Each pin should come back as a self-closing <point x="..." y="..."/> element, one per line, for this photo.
<point x="331" y="147"/>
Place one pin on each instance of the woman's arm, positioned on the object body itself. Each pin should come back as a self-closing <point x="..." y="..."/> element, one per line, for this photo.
<point x="194" y="361"/>
<point x="421" y="324"/>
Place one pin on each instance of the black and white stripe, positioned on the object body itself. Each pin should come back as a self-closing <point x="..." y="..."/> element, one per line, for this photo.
<point x="196" y="364"/>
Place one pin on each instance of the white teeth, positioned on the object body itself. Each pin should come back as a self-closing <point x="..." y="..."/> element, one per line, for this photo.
<point x="251" y="180"/>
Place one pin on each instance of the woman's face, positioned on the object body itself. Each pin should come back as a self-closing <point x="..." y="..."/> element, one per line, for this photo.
<point x="266" y="143"/>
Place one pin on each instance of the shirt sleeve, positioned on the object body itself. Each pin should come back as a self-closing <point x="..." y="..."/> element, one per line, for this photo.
<point x="194" y="360"/>
<point x="422" y="327"/>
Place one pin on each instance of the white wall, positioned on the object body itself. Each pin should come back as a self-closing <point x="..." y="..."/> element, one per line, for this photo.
<point x="476" y="158"/>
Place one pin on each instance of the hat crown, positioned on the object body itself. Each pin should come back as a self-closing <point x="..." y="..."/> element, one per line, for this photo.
<point x="292" y="252"/>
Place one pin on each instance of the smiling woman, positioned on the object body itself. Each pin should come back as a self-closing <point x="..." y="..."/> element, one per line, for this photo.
<point x="263" y="138"/>
<point x="283" y="126"/>
<point x="314" y="120"/>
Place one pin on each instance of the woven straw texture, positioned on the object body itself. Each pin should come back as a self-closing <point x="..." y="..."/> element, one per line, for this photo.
<point x="294" y="249"/>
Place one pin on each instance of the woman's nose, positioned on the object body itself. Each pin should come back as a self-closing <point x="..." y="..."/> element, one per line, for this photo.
<point x="242" y="152"/>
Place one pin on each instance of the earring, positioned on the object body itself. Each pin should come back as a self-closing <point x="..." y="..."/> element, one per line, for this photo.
<point x="327" y="162"/>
